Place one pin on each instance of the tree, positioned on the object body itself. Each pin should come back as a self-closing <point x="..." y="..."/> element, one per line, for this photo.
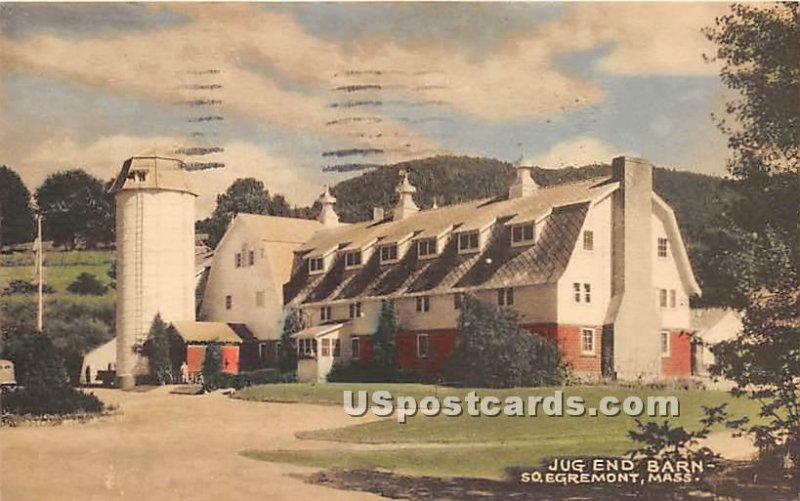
<point x="37" y="364"/>
<point x="16" y="215"/>
<point x="157" y="349"/>
<point x="87" y="284"/>
<point x="759" y="51"/>
<point x="492" y="350"/>
<point x="246" y="195"/>
<point x="287" y="354"/>
<point x="212" y="366"/>
<point x="384" y="338"/>
<point x="76" y="209"/>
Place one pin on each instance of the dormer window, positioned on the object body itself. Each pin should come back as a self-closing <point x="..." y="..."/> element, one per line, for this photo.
<point x="468" y="242"/>
<point x="522" y="234"/>
<point x="352" y="259"/>
<point x="426" y="247"/>
<point x="388" y="253"/>
<point x="316" y="265"/>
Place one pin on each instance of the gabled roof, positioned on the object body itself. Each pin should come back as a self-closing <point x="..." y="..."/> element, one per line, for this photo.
<point x="561" y="209"/>
<point x="206" y="332"/>
<point x="280" y="229"/>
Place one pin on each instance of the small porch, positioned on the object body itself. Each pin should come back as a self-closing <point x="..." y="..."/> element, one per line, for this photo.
<point x="317" y="350"/>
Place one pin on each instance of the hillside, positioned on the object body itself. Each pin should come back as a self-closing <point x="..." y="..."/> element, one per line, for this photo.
<point x="698" y="200"/>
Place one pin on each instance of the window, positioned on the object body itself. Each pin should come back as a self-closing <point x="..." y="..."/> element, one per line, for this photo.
<point x="673" y="296"/>
<point x="505" y="297"/>
<point x="588" y="240"/>
<point x="388" y="253"/>
<point x="663" y="246"/>
<point x="325" y="313"/>
<point x="458" y="300"/>
<point x="426" y="247"/>
<point x="352" y="259"/>
<point x="307" y="348"/>
<point x="423" y="346"/>
<point x="355" y="347"/>
<point x="587" y="342"/>
<point x="238" y="260"/>
<point x="522" y="233"/>
<point x="662" y="298"/>
<point x="337" y="348"/>
<point x="423" y="304"/>
<point x="582" y="292"/>
<point x="326" y="347"/>
<point x="251" y="258"/>
<point x="315" y="264"/>
<point x="228" y="302"/>
<point x="355" y="310"/>
<point x="665" y="351"/>
<point x="260" y="298"/>
<point x="468" y="241"/>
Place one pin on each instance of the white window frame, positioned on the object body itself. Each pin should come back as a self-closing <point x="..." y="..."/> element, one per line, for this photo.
<point x="238" y="260"/>
<point x="665" y="336"/>
<point x="468" y="234"/>
<point x="251" y="258"/>
<point x="505" y="297"/>
<point x="354" y="264"/>
<point x="427" y="338"/>
<point x="665" y="247"/>
<point x="388" y="248"/>
<point x="355" y="347"/>
<point x="588" y="240"/>
<point x="458" y="300"/>
<point x="355" y="310"/>
<point x="325" y="349"/>
<point x="673" y="298"/>
<point x="316" y="265"/>
<point x="423" y="304"/>
<point x="587" y="293"/>
<point x="430" y="244"/>
<point x="325" y="313"/>
<point x="663" y="300"/>
<point x="593" y="351"/>
<point x="582" y="293"/>
<point x="523" y="239"/>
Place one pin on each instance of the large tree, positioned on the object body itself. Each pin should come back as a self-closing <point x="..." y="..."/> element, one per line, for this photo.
<point x="758" y="47"/>
<point x="384" y="338"/>
<point x="16" y="215"/>
<point x="76" y="209"/>
<point x="287" y="351"/>
<point x="246" y="195"/>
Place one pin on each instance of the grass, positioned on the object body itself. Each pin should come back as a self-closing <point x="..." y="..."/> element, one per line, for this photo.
<point x="61" y="269"/>
<point x="474" y="446"/>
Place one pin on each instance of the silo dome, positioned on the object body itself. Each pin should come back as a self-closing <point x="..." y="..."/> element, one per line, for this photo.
<point x="155" y="253"/>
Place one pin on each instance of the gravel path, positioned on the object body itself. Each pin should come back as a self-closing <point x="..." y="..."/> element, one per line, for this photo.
<point x="167" y="447"/>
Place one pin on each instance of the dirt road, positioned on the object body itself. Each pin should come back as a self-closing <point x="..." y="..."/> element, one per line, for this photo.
<point x="166" y="447"/>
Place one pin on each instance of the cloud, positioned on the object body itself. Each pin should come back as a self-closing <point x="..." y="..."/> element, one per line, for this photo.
<point x="578" y="151"/>
<point x="103" y="158"/>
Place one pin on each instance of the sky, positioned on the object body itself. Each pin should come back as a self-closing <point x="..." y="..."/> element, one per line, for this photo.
<point x="287" y="92"/>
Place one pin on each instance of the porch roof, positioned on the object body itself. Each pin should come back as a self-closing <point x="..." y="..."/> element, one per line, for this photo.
<point x="206" y="332"/>
<point x="317" y="331"/>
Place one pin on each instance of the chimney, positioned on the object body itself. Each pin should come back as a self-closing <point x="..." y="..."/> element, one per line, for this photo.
<point x="636" y="319"/>
<point x="327" y="216"/>
<point x="377" y="214"/>
<point x="524" y="185"/>
<point x="405" y="202"/>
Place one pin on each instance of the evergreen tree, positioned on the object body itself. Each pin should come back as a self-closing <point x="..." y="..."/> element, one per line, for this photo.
<point x="157" y="350"/>
<point x="16" y="215"/>
<point x="287" y="349"/>
<point x="384" y="339"/>
<point x="212" y="366"/>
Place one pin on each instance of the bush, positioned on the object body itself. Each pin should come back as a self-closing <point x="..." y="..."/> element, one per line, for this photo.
<point x="212" y="367"/>
<point x="25" y="287"/>
<point x="88" y="285"/>
<point x="62" y="401"/>
<point x="245" y="379"/>
<point x="492" y="350"/>
<point x="368" y="372"/>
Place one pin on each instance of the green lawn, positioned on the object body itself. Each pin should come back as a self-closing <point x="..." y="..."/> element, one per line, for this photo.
<point x="61" y="269"/>
<point x="474" y="446"/>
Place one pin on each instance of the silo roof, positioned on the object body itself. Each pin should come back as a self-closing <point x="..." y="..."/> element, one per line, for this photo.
<point x="153" y="173"/>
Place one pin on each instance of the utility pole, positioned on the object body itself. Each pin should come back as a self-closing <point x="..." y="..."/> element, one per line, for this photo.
<point x="40" y="272"/>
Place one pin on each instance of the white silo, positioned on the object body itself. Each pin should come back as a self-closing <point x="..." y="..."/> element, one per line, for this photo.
<point x="155" y="253"/>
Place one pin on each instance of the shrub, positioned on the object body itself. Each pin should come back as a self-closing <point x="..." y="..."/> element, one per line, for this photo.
<point x="492" y="350"/>
<point x="63" y="401"/>
<point x="245" y="379"/>
<point x="287" y="354"/>
<point x="88" y="285"/>
<point x="212" y="367"/>
<point x="161" y="347"/>
<point x="367" y="372"/>
<point x="25" y="287"/>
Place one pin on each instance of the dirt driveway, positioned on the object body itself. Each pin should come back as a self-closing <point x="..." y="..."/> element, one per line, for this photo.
<point x="166" y="447"/>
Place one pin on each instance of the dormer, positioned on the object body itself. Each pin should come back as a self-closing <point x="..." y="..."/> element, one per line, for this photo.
<point x="523" y="233"/>
<point x="405" y="201"/>
<point x="316" y="265"/>
<point x="469" y="242"/>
